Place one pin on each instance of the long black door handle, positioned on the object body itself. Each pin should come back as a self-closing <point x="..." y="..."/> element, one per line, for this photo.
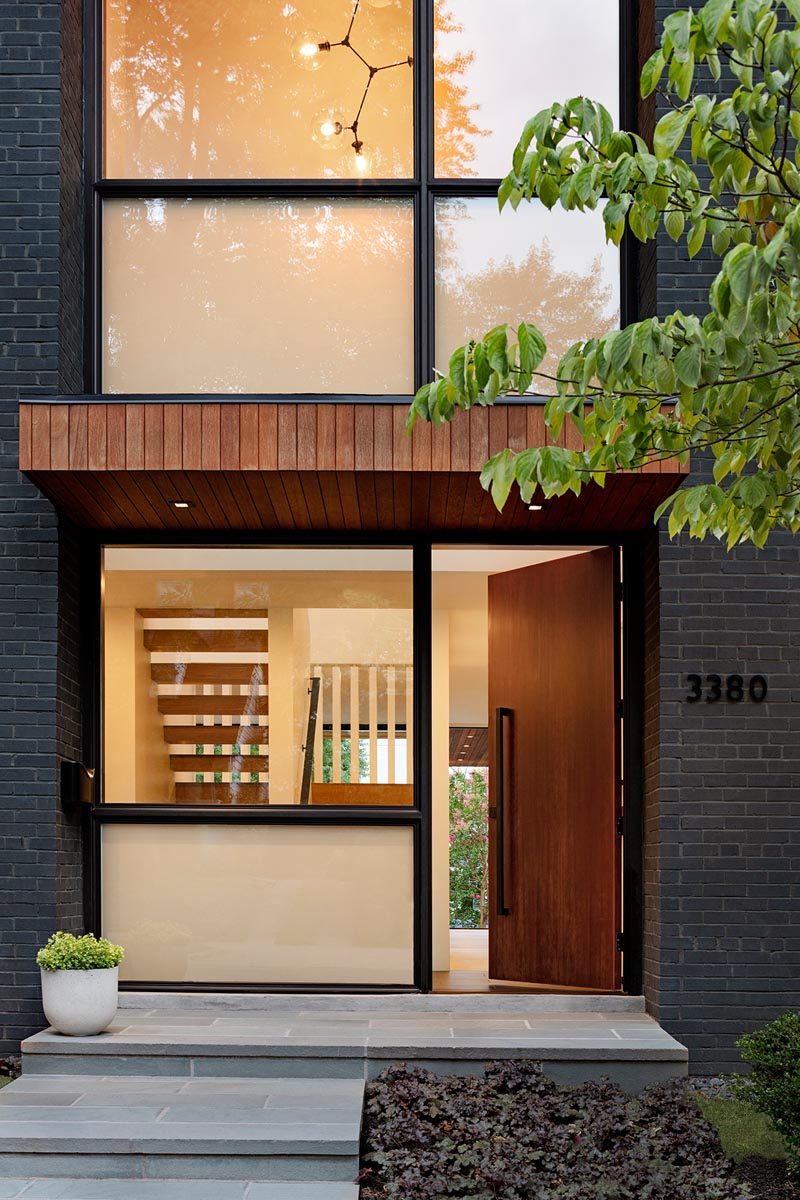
<point x="501" y="714"/>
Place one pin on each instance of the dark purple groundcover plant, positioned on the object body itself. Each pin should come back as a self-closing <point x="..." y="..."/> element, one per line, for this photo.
<point x="516" y="1135"/>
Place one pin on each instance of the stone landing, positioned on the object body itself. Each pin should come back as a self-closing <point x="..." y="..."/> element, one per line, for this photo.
<point x="230" y="1100"/>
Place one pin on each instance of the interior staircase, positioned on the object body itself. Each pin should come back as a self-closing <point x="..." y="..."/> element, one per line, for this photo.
<point x="210" y="671"/>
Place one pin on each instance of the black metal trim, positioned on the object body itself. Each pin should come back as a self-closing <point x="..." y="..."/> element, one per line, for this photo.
<point x="305" y="989"/>
<point x="500" y="714"/>
<point x="423" y="766"/>
<point x="251" y="814"/>
<point x="250" y="398"/>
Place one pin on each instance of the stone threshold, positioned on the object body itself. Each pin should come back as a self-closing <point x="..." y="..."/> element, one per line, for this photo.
<point x="399" y="1002"/>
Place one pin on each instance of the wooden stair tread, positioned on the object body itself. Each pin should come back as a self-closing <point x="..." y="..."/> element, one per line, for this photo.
<point x="222" y="793"/>
<point x="218" y="640"/>
<point x="214" y="706"/>
<point x="216" y="735"/>
<point x="219" y="762"/>
<point x="209" y="672"/>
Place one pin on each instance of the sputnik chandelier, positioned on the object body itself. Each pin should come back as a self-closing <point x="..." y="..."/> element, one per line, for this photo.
<point x="328" y="126"/>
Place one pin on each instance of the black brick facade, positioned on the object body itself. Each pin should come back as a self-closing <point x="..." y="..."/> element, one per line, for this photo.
<point x="722" y="820"/>
<point x="40" y="869"/>
<point x="722" y="860"/>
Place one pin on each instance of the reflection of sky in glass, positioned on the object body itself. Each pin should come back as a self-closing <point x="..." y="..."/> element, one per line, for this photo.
<point x="550" y="267"/>
<point x="528" y="54"/>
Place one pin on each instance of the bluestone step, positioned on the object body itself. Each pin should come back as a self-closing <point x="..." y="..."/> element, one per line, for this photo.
<point x="629" y="1047"/>
<point x="94" y="1127"/>
<point x="170" y="1189"/>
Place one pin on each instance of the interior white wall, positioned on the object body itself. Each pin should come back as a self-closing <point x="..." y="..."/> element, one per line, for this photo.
<point x="361" y="635"/>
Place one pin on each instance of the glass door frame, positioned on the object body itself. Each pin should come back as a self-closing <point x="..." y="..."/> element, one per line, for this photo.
<point x="417" y="818"/>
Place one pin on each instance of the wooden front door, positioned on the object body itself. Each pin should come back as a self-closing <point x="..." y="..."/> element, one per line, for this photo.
<point x="553" y="773"/>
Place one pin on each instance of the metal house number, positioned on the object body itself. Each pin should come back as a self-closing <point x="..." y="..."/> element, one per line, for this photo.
<point x="732" y="688"/>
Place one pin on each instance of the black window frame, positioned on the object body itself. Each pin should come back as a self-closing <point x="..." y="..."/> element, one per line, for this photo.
<point x="422" y="190"/>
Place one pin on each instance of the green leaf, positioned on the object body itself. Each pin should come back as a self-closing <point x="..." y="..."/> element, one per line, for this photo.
<point x="670" y="132"/>
<point x="532" y="347"/>
<point x="696" y="238"/>
<point x="651" y="73"/>
<point x="674" y="223"/>
<point x="739" y="267"/>
<point x="547" y="190"/>
<point x="687" y="366"/>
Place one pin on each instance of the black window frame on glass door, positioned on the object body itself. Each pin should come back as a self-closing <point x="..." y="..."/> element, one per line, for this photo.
<point x="422" y="191"/>
<point x="419" y="817"/>
<point x="415" y="817"/>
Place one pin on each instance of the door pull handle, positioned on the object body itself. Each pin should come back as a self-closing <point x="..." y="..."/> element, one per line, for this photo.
<point x="501" y="715"/>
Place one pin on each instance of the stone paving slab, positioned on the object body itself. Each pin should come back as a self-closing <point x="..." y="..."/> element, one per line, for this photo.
<point x="277" y="1117"/>
<point x="321" y="1035"/>
<point x="170" y="1189"/>
<point x="187" y="1003"/>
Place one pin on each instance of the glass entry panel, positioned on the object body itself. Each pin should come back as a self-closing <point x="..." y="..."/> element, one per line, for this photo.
<point x="260" y="903"/>
<point x="254" y="677"/>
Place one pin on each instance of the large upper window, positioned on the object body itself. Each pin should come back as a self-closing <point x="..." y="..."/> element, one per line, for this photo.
<point x="300" y="197"/>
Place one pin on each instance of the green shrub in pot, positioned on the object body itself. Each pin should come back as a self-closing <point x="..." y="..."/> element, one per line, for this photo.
<point x="80" y="977"/>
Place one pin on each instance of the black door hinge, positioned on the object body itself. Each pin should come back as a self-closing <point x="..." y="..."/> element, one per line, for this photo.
<point x="620" y="707"/>
<point x="620" y="942"/>
<point x="620" y="825"/>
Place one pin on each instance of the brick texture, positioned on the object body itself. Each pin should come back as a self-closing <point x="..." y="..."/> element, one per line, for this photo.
<point x="722" y="948"/>
<point x="40" y="873"/>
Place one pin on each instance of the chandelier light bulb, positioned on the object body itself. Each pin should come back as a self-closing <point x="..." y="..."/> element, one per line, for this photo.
<point x="327" y="128"/>
<point x="311" y="52"/>
<point x="363" y="161"/>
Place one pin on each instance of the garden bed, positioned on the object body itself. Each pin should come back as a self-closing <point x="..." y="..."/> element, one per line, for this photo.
<point x="517" y="1135"/>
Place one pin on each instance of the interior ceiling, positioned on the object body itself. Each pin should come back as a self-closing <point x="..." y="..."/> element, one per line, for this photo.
<point x="469" y="746"/>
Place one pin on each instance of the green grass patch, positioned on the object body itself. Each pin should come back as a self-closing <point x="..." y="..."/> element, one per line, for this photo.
<point x="4" y="1079"/>
<point x="744" y="1133"/>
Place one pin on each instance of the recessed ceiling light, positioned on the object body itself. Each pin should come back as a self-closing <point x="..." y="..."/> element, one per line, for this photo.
<point x="535" y="507"/>
<point x="180" y="503"/>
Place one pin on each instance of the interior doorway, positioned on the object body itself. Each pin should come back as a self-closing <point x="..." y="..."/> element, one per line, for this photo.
<point x="526" y="778"/>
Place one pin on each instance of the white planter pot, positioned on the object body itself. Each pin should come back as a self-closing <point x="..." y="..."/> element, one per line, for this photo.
<point x="80" y="1003"/>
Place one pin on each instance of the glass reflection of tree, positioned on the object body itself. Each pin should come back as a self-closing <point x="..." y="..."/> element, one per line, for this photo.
<point x="208" y="87"/>
<point x="456" y="129"/>
<point x="198" y="87"/>
<point x="566" y="305"/>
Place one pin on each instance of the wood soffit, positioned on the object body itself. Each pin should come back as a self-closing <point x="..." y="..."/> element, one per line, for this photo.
<point x="305" y="466"/>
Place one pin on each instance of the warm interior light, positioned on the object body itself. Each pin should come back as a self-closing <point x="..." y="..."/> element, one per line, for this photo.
<point x="326" y="128"/>
<point x="535" y="507"/>
<point x="181" y="504"/>
<point x="308" y="51"/>
<point x="362" y="162"/>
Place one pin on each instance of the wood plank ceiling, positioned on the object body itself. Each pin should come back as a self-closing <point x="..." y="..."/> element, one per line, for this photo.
<point x="303" y="466"/>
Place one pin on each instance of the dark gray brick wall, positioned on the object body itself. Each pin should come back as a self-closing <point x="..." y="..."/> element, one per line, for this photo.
<point x="39" y="850"/>
<point x="722" y="951"/>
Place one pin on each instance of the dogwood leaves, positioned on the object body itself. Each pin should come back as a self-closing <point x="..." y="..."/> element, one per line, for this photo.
<point x="723" y="172"/>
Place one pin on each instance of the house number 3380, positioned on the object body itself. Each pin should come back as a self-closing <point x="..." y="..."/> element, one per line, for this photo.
<point x="732" y="688"/>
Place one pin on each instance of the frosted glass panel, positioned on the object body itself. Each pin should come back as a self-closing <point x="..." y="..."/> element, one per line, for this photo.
<point x="258" y="296"/>
<point x="553" y="268"/>
<point x="498" y="64"/>
<point x="260" y="904"/>
<point x="202" y="90"/>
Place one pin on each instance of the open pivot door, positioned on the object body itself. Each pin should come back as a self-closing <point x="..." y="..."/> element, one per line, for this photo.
<point x="553" y="842"/>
